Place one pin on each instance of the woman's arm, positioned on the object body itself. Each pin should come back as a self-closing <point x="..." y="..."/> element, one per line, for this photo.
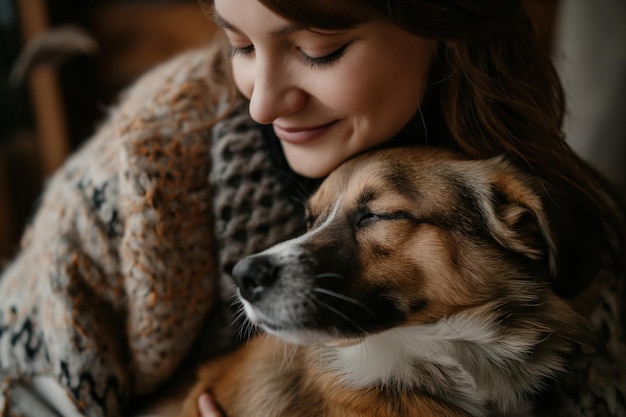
<point x="120" y="245"/>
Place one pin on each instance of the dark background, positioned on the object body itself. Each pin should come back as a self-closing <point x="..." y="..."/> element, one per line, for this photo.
<point x="58" y="105"/>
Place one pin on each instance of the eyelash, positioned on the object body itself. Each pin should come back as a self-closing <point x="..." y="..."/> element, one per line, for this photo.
<point x="314" y="62"/>
<point x="241" y="51"/>
<point x="323" y="61"/>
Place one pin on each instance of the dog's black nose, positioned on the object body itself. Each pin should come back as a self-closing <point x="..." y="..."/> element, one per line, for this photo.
<point x="254" y="275"/>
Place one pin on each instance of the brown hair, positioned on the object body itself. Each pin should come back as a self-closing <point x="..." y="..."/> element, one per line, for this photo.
<point x="494" y="91"/>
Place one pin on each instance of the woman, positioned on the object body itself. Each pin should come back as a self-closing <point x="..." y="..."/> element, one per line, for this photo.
<point x="334" y="79"/>
<point x="125" y="231"/>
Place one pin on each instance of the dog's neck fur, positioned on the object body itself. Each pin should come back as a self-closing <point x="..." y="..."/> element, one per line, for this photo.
<point x="463" y="360"/>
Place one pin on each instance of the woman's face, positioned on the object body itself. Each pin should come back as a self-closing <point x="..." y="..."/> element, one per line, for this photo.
<point x="328" y="94"/>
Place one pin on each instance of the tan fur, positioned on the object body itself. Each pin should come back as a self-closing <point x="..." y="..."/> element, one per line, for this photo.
<point x="251" y="382"/>
<point x="462" y="242"/>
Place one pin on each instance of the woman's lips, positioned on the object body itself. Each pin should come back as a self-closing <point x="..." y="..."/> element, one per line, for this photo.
<point x="300" y="135"/>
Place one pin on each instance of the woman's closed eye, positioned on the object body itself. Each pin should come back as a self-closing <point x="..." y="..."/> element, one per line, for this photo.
<point x="324" y="60"/>
<point x="312" y="61"/>
<point x="245" y="50"/>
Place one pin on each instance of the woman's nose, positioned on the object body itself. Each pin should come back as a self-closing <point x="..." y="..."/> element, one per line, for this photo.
<point x="274" y="94"/>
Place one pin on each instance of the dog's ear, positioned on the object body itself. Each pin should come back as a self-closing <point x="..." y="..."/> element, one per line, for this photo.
<point x="528" y="217"/>
<point x="514" y="213"/>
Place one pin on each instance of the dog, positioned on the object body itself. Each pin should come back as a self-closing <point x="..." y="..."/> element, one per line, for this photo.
<point x="421" y="288"/>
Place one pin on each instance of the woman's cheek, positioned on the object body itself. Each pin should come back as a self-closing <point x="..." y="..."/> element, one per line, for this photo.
<point x="345" y="94"/>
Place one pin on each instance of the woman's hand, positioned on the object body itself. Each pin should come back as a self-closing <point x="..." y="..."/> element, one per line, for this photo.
<point x="207" y="406"/>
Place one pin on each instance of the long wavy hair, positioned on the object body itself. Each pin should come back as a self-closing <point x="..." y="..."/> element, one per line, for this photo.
<point x="493" y="90"/>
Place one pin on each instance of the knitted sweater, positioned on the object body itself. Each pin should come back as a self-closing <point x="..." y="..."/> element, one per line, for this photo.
<point x="118" y="269"/>
<point x="131" y="246"/>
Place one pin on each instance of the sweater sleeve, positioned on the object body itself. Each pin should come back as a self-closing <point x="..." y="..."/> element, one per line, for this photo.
<point x="116" y="272"/>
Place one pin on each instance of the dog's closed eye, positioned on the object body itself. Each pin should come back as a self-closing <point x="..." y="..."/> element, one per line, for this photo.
<point x="364" y="217"/>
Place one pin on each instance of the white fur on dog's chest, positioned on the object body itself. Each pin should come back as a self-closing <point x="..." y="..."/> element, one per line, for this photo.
<point x="389" y="358"/>
<point x="432" y="358"/>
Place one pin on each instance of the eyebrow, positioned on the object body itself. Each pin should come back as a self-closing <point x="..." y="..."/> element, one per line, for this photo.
<point x="275" y="33"/>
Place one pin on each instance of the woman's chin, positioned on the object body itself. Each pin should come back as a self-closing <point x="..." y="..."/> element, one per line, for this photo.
<point x="311" y="164"/>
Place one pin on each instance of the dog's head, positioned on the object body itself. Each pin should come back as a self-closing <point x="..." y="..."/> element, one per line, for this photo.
<point x="404" y="236"/>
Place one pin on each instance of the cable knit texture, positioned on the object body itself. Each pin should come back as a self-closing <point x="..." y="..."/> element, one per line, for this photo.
<point x="135" y="237"/>
<point x="253" y="211"/>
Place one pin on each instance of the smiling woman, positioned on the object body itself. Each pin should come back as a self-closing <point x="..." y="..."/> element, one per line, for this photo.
<point x="208" y="158"/>
<point x="310" y="83"/>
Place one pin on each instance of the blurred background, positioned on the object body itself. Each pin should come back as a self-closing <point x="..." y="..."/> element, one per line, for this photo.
<point x="50" y="104"/>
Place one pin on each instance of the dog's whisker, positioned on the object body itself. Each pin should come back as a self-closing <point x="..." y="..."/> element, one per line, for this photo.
<point x="251" y="329"/>
<point x="234" y="300"/>
<point x="241" y="332"/>
<point x="329" y="275"/>
<point x="240" y="318"/>
<point x="344" y="298"/>
<point x="238" y="310"/>
<point x="239" y="322"/>
<point x="340" y="314"/>
<point x="235" y="303"/>
<point x="246" y="328"/>
<point x="238" y="313"/>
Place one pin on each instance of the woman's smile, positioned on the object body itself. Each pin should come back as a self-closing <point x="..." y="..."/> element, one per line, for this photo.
<point x="302" y="135"/>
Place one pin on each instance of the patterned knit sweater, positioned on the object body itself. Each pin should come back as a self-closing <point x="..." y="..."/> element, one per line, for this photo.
<point x="131" y="246"/>
<point x="118" y="269"/>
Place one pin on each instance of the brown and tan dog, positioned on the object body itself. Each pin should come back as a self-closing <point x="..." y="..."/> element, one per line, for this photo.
<point x="420" y="289"/>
